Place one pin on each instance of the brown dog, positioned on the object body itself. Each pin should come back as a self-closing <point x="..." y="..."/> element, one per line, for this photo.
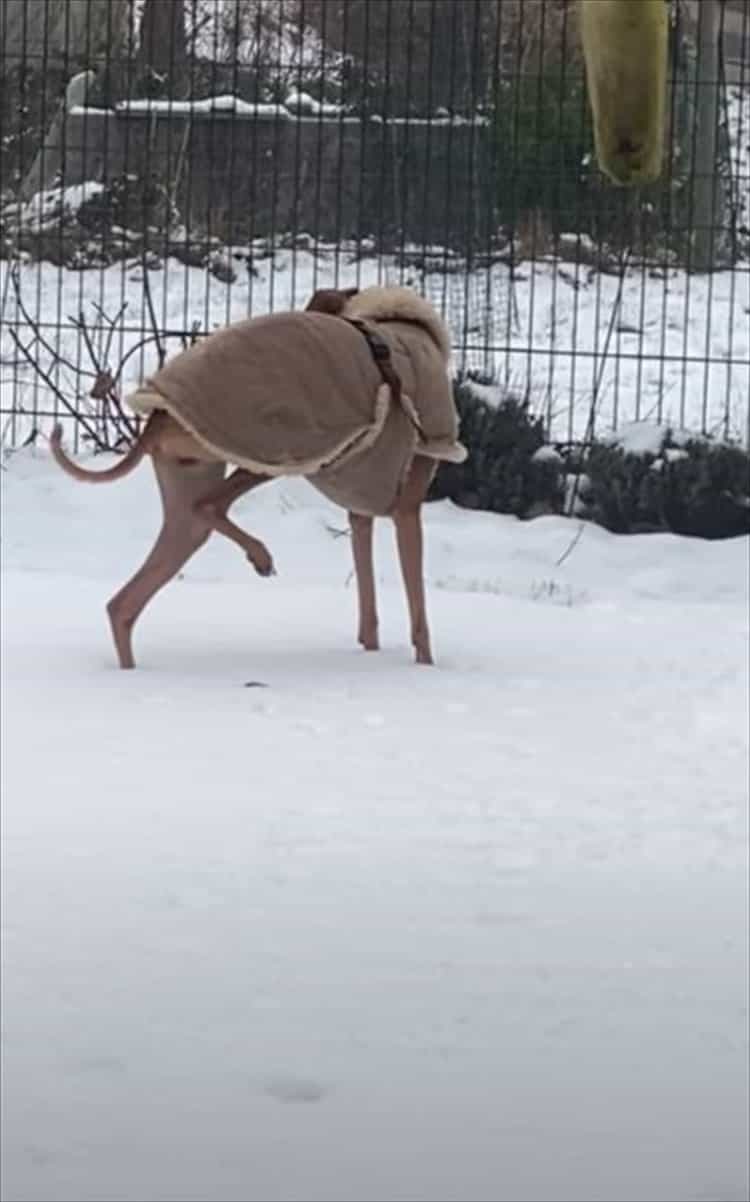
<point x="196" y="499"/>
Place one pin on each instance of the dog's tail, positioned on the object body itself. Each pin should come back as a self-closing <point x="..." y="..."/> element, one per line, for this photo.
<point x="129" y="461"/>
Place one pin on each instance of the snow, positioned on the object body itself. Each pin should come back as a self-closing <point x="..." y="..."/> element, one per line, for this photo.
<point x="738" y="129"/>
<point x="44" y="209"/>
<point x="686" y="365"/>
<point x="88" y="110"/>
<point x="547" y="454"/>
<point x="372" y="931"/>
<point x="233" y="105"/>
<point x="640" y="438"/>
<point x="297" y="106"/>
<point x="653" y="438"/>
<point x="298" y="101"/>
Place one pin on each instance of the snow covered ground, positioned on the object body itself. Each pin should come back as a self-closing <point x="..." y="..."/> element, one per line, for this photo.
<point x="372" y="931"/>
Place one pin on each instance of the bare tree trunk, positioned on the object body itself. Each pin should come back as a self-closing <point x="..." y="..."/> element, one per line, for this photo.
<point x="705" y="182"/>
<point x="425" y="48"/>
<point x="161" y="64"/>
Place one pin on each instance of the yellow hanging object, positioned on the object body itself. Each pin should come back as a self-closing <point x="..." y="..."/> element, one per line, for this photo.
<point x="625" y="49"/>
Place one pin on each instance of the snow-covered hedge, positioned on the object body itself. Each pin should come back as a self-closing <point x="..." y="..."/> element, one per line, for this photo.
<point x="647" y="477"/>
<point x="691" y="485"/>
<point x="504" y="472"/>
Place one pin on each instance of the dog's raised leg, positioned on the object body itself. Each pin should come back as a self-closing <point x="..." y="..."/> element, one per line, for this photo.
<point x="362" y="527"/>
<point x="408" y="520"/>
<point x="183" y="532"/>
<point x="214" y="507"/>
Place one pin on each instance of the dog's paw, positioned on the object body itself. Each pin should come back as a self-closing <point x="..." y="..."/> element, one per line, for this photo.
<point x="263" y="563"/>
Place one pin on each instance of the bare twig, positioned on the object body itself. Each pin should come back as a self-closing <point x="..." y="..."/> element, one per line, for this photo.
<point x="113" y="323"/>
<point x="4" y="432"/>
<point x="103" y="389"/>
<point x="161" y="352"/>
<point x="90" y="430"/>
<point x="138" y="346"/>
<point x="80" y="324"/>
<point x="571" y="546"/>
<point x="107" y="424"/>
<point x="613" y="317"/>
<point x="172" y="193"/>
<point x="35" y="328"/>
<point x="335" y="532"/>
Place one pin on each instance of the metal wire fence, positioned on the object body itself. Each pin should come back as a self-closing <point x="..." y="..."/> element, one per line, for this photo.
<point x="170" y="166"/>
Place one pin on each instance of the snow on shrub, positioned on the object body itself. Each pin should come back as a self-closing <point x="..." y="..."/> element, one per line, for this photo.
<point x="645" y="477"/>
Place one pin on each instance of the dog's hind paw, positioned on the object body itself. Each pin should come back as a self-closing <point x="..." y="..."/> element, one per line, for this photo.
<point x="263" y="563"/>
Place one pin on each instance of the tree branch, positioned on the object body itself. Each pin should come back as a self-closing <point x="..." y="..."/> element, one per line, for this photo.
<point x="56" y="392"/>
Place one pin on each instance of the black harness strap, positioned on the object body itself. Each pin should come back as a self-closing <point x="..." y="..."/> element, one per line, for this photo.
<point x="381" y="353"/>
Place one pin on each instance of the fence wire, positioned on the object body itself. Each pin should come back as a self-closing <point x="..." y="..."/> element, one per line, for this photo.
<point x="167" y="167"/>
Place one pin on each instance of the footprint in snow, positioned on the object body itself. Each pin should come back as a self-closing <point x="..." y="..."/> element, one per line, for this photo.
<point x="374" y="720"/>
<point x="311" y="726"/>
<point x="97" y="1064"/>
<point x="294" y="1089"/>
<point x="39" y="1156"/>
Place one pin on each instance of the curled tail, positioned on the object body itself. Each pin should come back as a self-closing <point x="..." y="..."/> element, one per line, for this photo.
<point x="129" y="461"/>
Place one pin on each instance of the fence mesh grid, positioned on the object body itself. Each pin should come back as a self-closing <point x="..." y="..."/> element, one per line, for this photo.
<point x="170" y="166"/>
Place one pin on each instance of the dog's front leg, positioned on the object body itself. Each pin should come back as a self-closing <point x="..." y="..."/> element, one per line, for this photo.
<point x="362" y="530"/>
<point x="407" y="516"/>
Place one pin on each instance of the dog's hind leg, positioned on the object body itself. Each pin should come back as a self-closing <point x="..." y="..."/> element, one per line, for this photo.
<point x="214" y="507"/>
<point x="362" y="528"/>
<point x="183" y="532"/>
